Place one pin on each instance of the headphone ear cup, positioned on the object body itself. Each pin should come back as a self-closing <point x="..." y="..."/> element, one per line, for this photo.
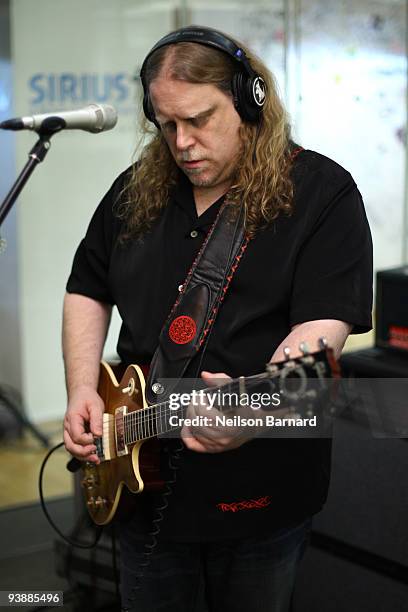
<point x="148" y="110"/>
<point x="242" y="92"/>
<point x="239" y="102"/>
<point x="257" y="94"/>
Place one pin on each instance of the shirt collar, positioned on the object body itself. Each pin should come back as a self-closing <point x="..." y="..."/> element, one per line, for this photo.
<point x="184" y="198"/>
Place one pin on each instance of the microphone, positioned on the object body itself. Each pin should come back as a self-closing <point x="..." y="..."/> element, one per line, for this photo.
<point x="93" y="118"/>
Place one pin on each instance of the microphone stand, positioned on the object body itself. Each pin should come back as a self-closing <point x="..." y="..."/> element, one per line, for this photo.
<point x="49" y="127"/>
<point x="14" y="406"/>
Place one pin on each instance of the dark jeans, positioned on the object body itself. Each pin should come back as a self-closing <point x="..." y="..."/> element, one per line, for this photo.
<point x="254" y="574"/>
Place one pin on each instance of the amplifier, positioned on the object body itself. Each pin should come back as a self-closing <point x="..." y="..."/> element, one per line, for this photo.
<point x="391" y="329"/>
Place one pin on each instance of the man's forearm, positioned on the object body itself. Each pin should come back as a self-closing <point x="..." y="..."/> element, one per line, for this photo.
<point x="334" y="331"/>
<point x="85" y="325"/>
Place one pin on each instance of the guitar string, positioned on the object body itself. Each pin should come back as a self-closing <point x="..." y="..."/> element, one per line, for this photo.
<point x="152" y="416"/>
<point x="148" y="420"/>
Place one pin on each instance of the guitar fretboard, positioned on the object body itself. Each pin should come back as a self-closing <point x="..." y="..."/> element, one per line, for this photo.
<point x="162" y="418"/>
<point x="150" y="422"/>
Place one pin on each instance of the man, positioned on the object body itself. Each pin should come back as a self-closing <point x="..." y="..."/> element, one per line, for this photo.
<point x="239" y="513"/>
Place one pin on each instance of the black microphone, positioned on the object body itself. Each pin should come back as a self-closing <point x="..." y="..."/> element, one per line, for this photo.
<point x="93" y="118"/>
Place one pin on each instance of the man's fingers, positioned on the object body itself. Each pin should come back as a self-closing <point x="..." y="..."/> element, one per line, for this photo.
<point x="197" y="440"/>
<point x="203" y="445"/>
<point x="95" y="420"/>
<point x="213" y="379"/>
<point x="83" y="452"/>
<point x="195" y="445"/>
<point x="76" y="428"/>
<point x="210" y="437"/>
<point x="77" y="421"/>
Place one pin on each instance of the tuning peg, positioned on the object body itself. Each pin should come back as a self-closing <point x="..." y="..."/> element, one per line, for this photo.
<point x="323" y="342"/>
<point x="286" y="352"/>
<point x="271" y="368"/>
<point x="304" y="348"/>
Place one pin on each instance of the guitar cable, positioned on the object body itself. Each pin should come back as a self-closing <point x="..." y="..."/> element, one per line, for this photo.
<point x="174" y="455"/>
<point x="66" y="538"/>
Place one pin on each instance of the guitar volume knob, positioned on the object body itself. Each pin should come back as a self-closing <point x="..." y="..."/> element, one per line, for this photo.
<point x="89" y="482"/>
<point x="131" y="388"/>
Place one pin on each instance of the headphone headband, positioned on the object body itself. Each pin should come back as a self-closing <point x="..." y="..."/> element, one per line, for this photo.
<point x="202" y="36"/>
<point x="248" y="88"/>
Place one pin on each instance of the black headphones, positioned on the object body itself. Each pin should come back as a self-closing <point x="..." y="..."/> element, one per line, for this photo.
<point x="248" y="88"/>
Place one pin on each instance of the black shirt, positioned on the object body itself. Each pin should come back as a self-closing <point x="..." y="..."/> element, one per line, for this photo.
<point x="315" y="264"/>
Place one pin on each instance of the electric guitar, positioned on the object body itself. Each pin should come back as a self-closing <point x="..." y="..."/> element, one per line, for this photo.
<point x="129" y="449"/>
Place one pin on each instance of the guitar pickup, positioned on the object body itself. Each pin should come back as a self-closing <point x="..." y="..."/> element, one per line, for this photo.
<point x="105" y="444"/>
<point x="119" y="439"/>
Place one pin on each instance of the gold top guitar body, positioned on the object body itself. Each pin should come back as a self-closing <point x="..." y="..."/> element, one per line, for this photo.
<point x="134" y="465"/>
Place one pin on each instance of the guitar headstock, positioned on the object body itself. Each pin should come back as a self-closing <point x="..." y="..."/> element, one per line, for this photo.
<point x="321" y="363"/>
<point x="305" y="379"/>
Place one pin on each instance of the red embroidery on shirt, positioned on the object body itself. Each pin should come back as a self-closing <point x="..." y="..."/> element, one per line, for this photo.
<point x="182" y="330"/>
<point x="247" y="504"/>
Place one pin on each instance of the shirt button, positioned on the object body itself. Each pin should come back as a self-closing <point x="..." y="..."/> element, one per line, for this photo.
<point x="194" y="234"/>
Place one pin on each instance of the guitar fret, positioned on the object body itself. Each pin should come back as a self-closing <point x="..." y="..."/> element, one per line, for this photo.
<point x="143" y="425"/>
<point x="147" y="420"/>
<point x="154" y="422"/>
<point x="140" y="424"/>
<point x="159" y="422"/>
<point x="163" y="419"/>
<point x="138" y="421"/>
<point x="148" y="423"/>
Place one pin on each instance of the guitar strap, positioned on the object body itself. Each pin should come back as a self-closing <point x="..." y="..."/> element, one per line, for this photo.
<point x="187" y="328"/>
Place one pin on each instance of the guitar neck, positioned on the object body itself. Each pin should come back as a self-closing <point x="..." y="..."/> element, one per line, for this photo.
<point x="157" y="419"/>
<point x="150" y="422"/>
<point x="167" y="416"/>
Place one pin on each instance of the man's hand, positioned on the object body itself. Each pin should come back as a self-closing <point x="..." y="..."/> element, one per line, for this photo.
<point x="83" y="421"/>
<point x="212" y="438"/>
<point x="85" y="326"/>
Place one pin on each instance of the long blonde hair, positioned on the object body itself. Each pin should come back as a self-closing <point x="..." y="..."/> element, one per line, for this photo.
<point x="262" y="178"/>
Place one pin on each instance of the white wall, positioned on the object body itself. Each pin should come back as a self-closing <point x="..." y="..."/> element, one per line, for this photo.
<point x="61" y="49"/>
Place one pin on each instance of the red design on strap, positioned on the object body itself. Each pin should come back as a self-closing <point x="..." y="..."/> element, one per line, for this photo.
<point x="182" y="330"/>
<point x="247" y="504"/>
